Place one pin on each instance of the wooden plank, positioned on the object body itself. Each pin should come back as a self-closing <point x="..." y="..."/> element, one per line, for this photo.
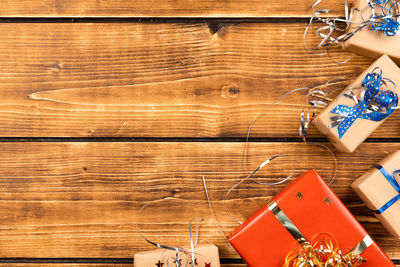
<point x="83" y="199"/>
<point x="164" y="8"/>
<point x="160" y="80"/>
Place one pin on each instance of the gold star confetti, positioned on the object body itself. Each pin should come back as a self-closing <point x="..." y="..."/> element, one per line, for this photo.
<point x="299" y="195"/>
<point x="327" y="200"/>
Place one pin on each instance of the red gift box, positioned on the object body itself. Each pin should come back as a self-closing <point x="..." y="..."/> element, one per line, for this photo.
<point x="311" y="206"/>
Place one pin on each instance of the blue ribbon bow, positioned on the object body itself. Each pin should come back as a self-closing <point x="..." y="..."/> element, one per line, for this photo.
<point x="389" y="26"/>
<point x="372" y="94"/>
<point x="386" y="20"/>
<point x="392" y="180"/>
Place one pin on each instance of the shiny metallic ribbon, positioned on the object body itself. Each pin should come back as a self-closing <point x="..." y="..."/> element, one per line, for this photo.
<point x="369" y="107"/>
<point x="317" y="97"/>
<point x="295" y="232"/>
<point x="392" y="180"/>
<point x="384" y="18"/>
<point x="179" y="251"/>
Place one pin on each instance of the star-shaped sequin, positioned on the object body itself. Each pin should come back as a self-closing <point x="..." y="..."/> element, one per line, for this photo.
<point x="195" y="262"/>
<point x="299" y="195"/>
<point x="208" y="265"/>
<point x="159" y="264"/>
<point x="327" y="201"/>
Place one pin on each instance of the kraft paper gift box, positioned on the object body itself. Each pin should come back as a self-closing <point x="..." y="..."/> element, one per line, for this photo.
<point x="379" y="189"/>
<point x="310" y="206"/>
<point x="205" y="256"/>
<point x="371" y="43"/>
<point x="362" y="127"/>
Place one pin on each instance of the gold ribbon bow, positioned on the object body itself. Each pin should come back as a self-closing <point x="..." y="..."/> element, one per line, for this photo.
<point x="322" y="253"/>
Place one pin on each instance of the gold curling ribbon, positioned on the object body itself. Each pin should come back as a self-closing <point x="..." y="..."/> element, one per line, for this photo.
<point x="322" y="253"/>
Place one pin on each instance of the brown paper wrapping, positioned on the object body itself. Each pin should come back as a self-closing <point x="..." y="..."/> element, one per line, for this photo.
<point x="205" y="255"/>
<point x="372" y="43"/>
<point x="376" y="191"/>
<point x="361" y="128"/>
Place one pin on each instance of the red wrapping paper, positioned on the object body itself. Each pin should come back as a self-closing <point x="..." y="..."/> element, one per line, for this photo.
<point x="314" y="209"/>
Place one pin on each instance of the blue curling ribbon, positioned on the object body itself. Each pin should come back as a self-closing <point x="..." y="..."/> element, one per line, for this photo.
<point x="391" y="179"/>
<point x="382" y="99"/>
<point x="386" y="20"/>
<point x="389" y="26"/>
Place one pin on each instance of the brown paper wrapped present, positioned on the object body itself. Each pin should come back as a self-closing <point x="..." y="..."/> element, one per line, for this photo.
<point x="361" y="126"/>
<point x="371" y="43"/>
<point x="205" y="256"/>
<point x="379" y="189"/>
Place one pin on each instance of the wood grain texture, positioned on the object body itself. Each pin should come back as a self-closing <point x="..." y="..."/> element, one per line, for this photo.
<point x="83" y="199"/>
<point x="160" y="80"/>
<point x="162" y="8"/>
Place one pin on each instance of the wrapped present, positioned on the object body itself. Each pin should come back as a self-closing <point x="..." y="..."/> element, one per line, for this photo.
<point x="204" y="256"/>
<point x="379" y="188"/>
<point x="362" y="107"/>
<point x="292" y="221"/>
<point x="381" y="35"/>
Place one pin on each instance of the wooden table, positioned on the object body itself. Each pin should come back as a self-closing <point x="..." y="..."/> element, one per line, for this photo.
<point x="106" y="105"/>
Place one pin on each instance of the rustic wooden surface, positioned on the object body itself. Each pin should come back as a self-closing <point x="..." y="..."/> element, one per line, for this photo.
<point x="81" y="199"/>
<point x="160" y="79"/>
<point x="162" y="8"/>
<point x="106" y="105"/>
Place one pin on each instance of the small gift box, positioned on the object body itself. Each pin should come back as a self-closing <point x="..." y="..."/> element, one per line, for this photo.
<point x="295" y="218"/>
<point x="379" y="188"/>
<point x="362" y="107"/>
<point x="377" y="38"/>
<point x="204" y="256"/>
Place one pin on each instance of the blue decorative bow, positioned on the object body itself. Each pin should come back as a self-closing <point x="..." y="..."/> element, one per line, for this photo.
<point x="391" y="179"/>
<point x="385" y="20"/>
<point x="372" y="102"/>
<point x="389" y="26"/>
